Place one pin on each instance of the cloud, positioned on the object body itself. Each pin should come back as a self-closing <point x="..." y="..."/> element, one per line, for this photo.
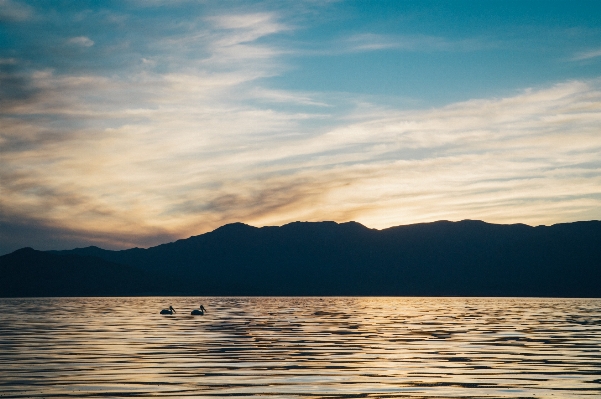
<point x="368" y="42"/>
<point x="12" y="11"/>
<point x="81" y="41"/>
<point x="34" y="233"/>
<point x="15" y="86"/>
<point x="183" y="158"/>
<point x="374" y="42"/>
<point x="255" y="25"/>
<point x="186" y="135"/>
<point x="282" y="96"/>
<point x="587" y="55"/>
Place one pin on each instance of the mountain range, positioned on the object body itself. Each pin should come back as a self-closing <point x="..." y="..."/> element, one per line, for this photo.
<point x="466" y="258"/>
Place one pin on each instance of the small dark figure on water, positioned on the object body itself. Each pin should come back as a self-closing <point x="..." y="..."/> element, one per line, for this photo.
<point x="168" y="311"/>
<point x="199" y="312"/>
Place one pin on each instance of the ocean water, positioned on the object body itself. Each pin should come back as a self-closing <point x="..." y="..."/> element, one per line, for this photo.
<point x="301" y="347"/>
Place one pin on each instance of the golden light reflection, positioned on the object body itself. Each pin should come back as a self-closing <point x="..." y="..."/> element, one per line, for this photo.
<point x="298" y="347"/>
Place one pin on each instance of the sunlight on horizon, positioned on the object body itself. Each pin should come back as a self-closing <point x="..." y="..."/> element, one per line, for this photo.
<point x="118" y="135"/>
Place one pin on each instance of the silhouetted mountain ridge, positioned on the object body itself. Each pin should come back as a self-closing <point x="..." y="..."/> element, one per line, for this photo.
<point x="468" y="258"/>
<point x="27" y="272"/>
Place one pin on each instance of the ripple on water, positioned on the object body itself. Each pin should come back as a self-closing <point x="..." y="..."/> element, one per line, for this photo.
<point x="301" y="347"/>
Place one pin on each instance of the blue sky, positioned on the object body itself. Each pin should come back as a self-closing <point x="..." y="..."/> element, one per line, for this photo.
<point x="133" y="123"/>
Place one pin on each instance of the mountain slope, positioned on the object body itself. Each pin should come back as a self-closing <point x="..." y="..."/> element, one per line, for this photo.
<point x="28" y="272"/>
<point x="442" y="258"/>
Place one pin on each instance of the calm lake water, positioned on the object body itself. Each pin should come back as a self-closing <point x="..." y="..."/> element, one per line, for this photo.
<point x="301" y="347"/>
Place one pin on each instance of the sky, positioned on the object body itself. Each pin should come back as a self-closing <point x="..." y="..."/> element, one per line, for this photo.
<point x="134" y="123"/>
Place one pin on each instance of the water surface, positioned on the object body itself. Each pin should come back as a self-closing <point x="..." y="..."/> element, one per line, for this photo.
<point x="301" y="347"/>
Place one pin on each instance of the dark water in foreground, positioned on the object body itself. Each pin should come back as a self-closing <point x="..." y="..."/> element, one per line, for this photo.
<point x="301" y="347"/>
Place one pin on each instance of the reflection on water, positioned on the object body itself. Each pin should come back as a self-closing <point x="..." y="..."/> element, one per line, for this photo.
<point x="301" y="347"/>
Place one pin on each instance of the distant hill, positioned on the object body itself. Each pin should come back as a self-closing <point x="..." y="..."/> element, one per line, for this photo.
<point x="28" y="272"/>
<point x="467" y="258"/>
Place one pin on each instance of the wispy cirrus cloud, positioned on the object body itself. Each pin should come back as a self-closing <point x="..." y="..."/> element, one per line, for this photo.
<point x="587" y="55"/>
<point x="374" y="42"/>
<point x="13" y="11"/>
<point x="185" y="162"/>
<point x="142" y="139"/>
<point x="83" y="41"/>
